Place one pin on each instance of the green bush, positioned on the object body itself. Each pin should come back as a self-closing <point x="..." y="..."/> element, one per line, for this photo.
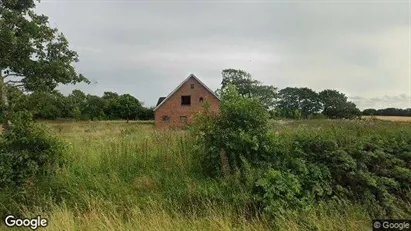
<point x="280" y="190"/>
<point x="348" y="160"/>
<point x="27" y="150"/>
<point x="238" y="133"/>
<point x="370" y="169"/>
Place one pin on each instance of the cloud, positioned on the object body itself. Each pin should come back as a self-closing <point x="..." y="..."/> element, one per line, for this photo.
<point x="87" y="50"/>
<point x="382" y="102"/>
<point x="146" y="48"/>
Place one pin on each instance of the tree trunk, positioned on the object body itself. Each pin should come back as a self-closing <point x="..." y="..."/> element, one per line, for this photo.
<point x="225" y="164"/>
<point x="4" y="104"/>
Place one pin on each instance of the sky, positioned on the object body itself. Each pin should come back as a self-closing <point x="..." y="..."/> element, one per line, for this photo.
<point x="147" y="48"/>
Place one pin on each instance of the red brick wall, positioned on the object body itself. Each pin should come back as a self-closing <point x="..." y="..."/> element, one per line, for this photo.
<point x="173" y="108"/>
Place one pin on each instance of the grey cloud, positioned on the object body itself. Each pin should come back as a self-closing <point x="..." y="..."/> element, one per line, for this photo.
<point x="146" y="48"/>
<point x="397" y="101"/>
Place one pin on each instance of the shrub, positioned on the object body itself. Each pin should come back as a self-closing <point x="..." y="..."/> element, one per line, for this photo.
<point x="238" y="133"/>
<point x="280" y="190"/>
<point x="373" y="170"/>
<point x="27" y="150"/>
<point x="345" y="160"/>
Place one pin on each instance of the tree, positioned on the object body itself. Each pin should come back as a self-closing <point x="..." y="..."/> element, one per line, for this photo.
<point x="309" y="102"/>
<point x="388" y="112"/>
<point x="302" y="100"/>
<point x="76" y="101"/>
<point x="93" y="108"/>
<point x="129" y="107"/>
<point x="111" y="105"/>
<point x="336" y="105"/>
<point x="248" y="87"/>
<point x="369" y="112"/>
<point x="34" y="56"/>
<point x="46" y="105"/>
<point x="288" y="101"/>
<point x="147" y="113"/>
<point x="18" y="101"/>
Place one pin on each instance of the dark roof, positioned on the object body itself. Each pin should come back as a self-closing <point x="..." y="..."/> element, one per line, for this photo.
<point x="160" y="100"/>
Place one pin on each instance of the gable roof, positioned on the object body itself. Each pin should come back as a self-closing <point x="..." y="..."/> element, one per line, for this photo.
<point x="161" y="99"/>
<point x="179" y="86"/>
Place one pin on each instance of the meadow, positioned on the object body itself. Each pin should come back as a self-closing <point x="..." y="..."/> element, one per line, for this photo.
<point x="131" y="176"/>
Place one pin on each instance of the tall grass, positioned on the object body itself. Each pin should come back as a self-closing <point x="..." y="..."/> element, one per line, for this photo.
<point x="130" y="176"/>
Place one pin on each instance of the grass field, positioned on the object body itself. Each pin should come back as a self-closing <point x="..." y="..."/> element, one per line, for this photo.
<point x="130" y="176"/>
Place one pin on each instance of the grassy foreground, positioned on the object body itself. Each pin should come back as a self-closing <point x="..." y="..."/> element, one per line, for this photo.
<point x="130" y="176"/>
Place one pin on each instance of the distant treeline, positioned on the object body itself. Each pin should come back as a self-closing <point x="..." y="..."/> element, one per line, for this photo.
<point x="387" y="112"/>
<point x="301" y="102"/>
<point x="290" y="102"/>
<point x="79" y="106"/>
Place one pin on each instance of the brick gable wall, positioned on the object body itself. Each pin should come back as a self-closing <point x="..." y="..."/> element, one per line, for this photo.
<point x="172" y="106"/>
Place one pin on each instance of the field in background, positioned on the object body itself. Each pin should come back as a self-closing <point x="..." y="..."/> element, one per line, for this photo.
<point x="390" y="118"/>
<point x="130" y="176"/>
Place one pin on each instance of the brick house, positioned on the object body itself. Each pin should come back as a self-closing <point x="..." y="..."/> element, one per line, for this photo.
<point x="178" y="108"/>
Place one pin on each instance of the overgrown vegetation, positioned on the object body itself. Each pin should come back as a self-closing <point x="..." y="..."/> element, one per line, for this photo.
<point x="132" y="176"/>
<point x="235" y="137"/>
<point x="233" y="170"/>
<point x="296" y="172"/>
<point x="27" y="152"/>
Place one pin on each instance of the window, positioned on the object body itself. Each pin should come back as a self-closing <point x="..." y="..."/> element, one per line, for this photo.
<point x="185" y="100"/>
<point x="166" y="118"/>
<point x="192" y="86"/>
<point x="183" y="119"/>
<point x="201" y="99"/>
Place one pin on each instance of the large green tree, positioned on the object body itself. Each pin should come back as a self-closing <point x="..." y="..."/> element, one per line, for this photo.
<point x="46" y="105"/>
<point x="302" y="100"/>
<point x="336" y="105"/>
<point x="93" y="108"/>
<point x="111" y="108"/>
<point x="288" y="102"/>
<point x="76" y="102"/>
<point x="249" y="87"/>
<point x="129" y="107"/>
<point x="34" y="56"/>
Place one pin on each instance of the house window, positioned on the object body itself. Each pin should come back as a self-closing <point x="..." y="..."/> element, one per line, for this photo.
<point x="183" y="119"/>
<point x="192" y="86"/>
<point x="185" y="100"/>
<point x="166" y="118"/>
<point x="201" y="99"/>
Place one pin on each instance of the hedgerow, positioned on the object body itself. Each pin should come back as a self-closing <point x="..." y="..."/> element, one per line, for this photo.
<point x="356" y="161"/>
<point x="373" y="170"/>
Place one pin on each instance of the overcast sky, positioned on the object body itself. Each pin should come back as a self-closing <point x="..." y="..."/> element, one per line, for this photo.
<point x="146" y="48"/>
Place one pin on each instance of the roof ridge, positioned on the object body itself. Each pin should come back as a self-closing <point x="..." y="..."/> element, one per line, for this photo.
<point x="181" y="84"/>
